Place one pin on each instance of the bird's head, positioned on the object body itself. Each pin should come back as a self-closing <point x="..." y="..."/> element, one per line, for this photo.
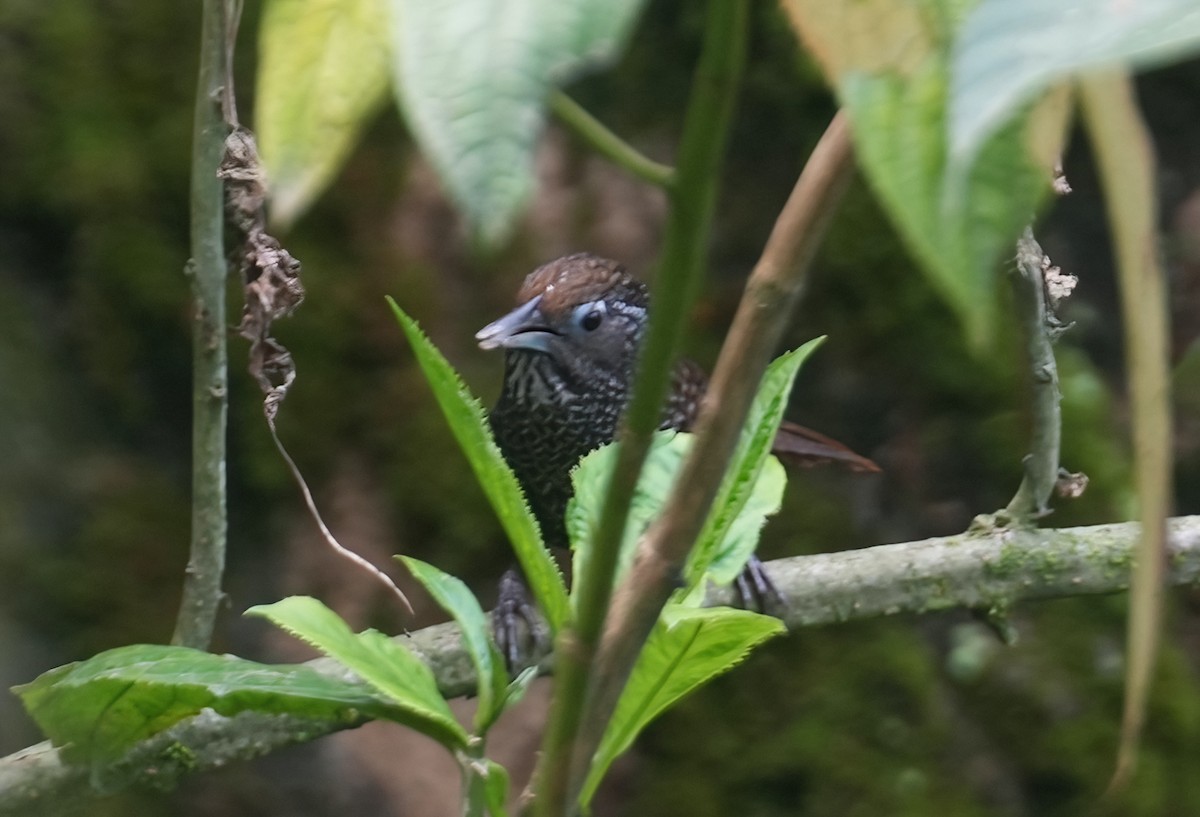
<point x="579" y="318"/>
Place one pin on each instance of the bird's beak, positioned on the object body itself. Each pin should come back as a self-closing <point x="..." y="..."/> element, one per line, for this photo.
<point x="523" y="328"/>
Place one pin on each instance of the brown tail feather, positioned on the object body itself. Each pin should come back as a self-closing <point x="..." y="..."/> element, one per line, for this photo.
<point x="805" y="448"/>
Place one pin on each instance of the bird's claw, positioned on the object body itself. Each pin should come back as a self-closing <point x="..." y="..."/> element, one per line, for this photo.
<point x="516" y="625"/>
<point x="755" y="590"/>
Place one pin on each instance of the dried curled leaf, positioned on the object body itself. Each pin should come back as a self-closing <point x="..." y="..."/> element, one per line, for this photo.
<point x="272" y="290"/>
<point x="270" y="274"/>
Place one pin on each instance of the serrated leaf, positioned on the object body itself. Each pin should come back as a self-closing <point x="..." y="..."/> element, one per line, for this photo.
<point x="590" y="479"/>
<point x="739" y="540"/>
<point x="889" y="61"/>
<point x="472" y="78"/>
<point x="96" y="710"/>
<point x="456" y="599"/>
<point x="468" y="422"/>
<point x="687" y="648"/>
<point x="753" y="486"/>
<point x="1009" y="51"/>
<point x="381" y="662"/>
<point x="323" y="71"/>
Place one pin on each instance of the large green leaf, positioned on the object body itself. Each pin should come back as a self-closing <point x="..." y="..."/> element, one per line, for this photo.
<point x="456" y="599"/>
<point x="469" y="424"/>
<point x="473" y="76"/>
<point x="688" y="647"/>
<point x="889" y="61"/>
<point x="322" y="72"/>
<point x="753" y="486"/>
<point x="97" y="709"/>
<point x="1011" y="50"/>
<point x="381" y="662"/>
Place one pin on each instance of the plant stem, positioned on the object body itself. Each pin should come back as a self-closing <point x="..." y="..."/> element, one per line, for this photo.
<point x="771" y="294"/>
<point x="1041" y="465"/>
<point x="702" y="146"/>
<point x="607" y="143"/>
<point x="1126" y="162"/>
<point x="474" y="783"/>
<point x="210" y="386"/>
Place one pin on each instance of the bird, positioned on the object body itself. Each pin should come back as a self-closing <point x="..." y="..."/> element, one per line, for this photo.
<point x="570" y="356"/>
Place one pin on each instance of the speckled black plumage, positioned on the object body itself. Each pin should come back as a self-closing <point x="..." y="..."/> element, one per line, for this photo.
<point x="558" y="405"/>
<point x="571" y="348"/>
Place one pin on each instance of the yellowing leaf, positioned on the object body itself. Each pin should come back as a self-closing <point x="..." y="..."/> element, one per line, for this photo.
<point x="323" y="71"/>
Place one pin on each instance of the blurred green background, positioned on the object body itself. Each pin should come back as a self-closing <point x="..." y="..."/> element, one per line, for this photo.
<point x="911" y="716"/>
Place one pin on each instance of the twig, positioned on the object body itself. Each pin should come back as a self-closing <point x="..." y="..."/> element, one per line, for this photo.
<point x="607" y="143"/>
<point x="771" y="293"/>
<point x="210" y="384"/>
<point x="693" y="196"/>
<point x="970" y="571"/>
<point x="1040" y="328"/>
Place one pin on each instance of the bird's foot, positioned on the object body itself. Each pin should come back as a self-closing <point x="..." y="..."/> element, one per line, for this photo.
<point x="517" y="627"/>
<point x="755" y="590"/>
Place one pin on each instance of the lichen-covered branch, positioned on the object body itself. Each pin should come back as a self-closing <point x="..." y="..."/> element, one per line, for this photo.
<point x="997" y="568"/>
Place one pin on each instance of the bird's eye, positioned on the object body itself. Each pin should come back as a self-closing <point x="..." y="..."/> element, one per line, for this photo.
<point x="589" y="316"/>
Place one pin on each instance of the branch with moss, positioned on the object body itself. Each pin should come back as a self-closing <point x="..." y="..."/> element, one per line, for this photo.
<point x="999" y="568"/>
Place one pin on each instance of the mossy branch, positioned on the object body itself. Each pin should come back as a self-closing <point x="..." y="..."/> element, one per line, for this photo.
<point x="972" y="570"/>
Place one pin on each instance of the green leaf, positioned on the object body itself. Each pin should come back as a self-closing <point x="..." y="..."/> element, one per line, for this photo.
<point x="381" y="662"/>
<point x="322" y="73"/>
<point x="1009" y="51"/>
<point x="473" y="76"/>
<point x="496" y="788"/>
<point x="751" y="491"/>
<point x="456" y="599"/>
<point x="518" y="687"/>
<point x="753" y="486"/>
<point x="889" y="61"/>
<point x="469" y="424"/>
<point x="590" y="479"/>
<point x="95" y="710"/>
<point x="687" y="648"/>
